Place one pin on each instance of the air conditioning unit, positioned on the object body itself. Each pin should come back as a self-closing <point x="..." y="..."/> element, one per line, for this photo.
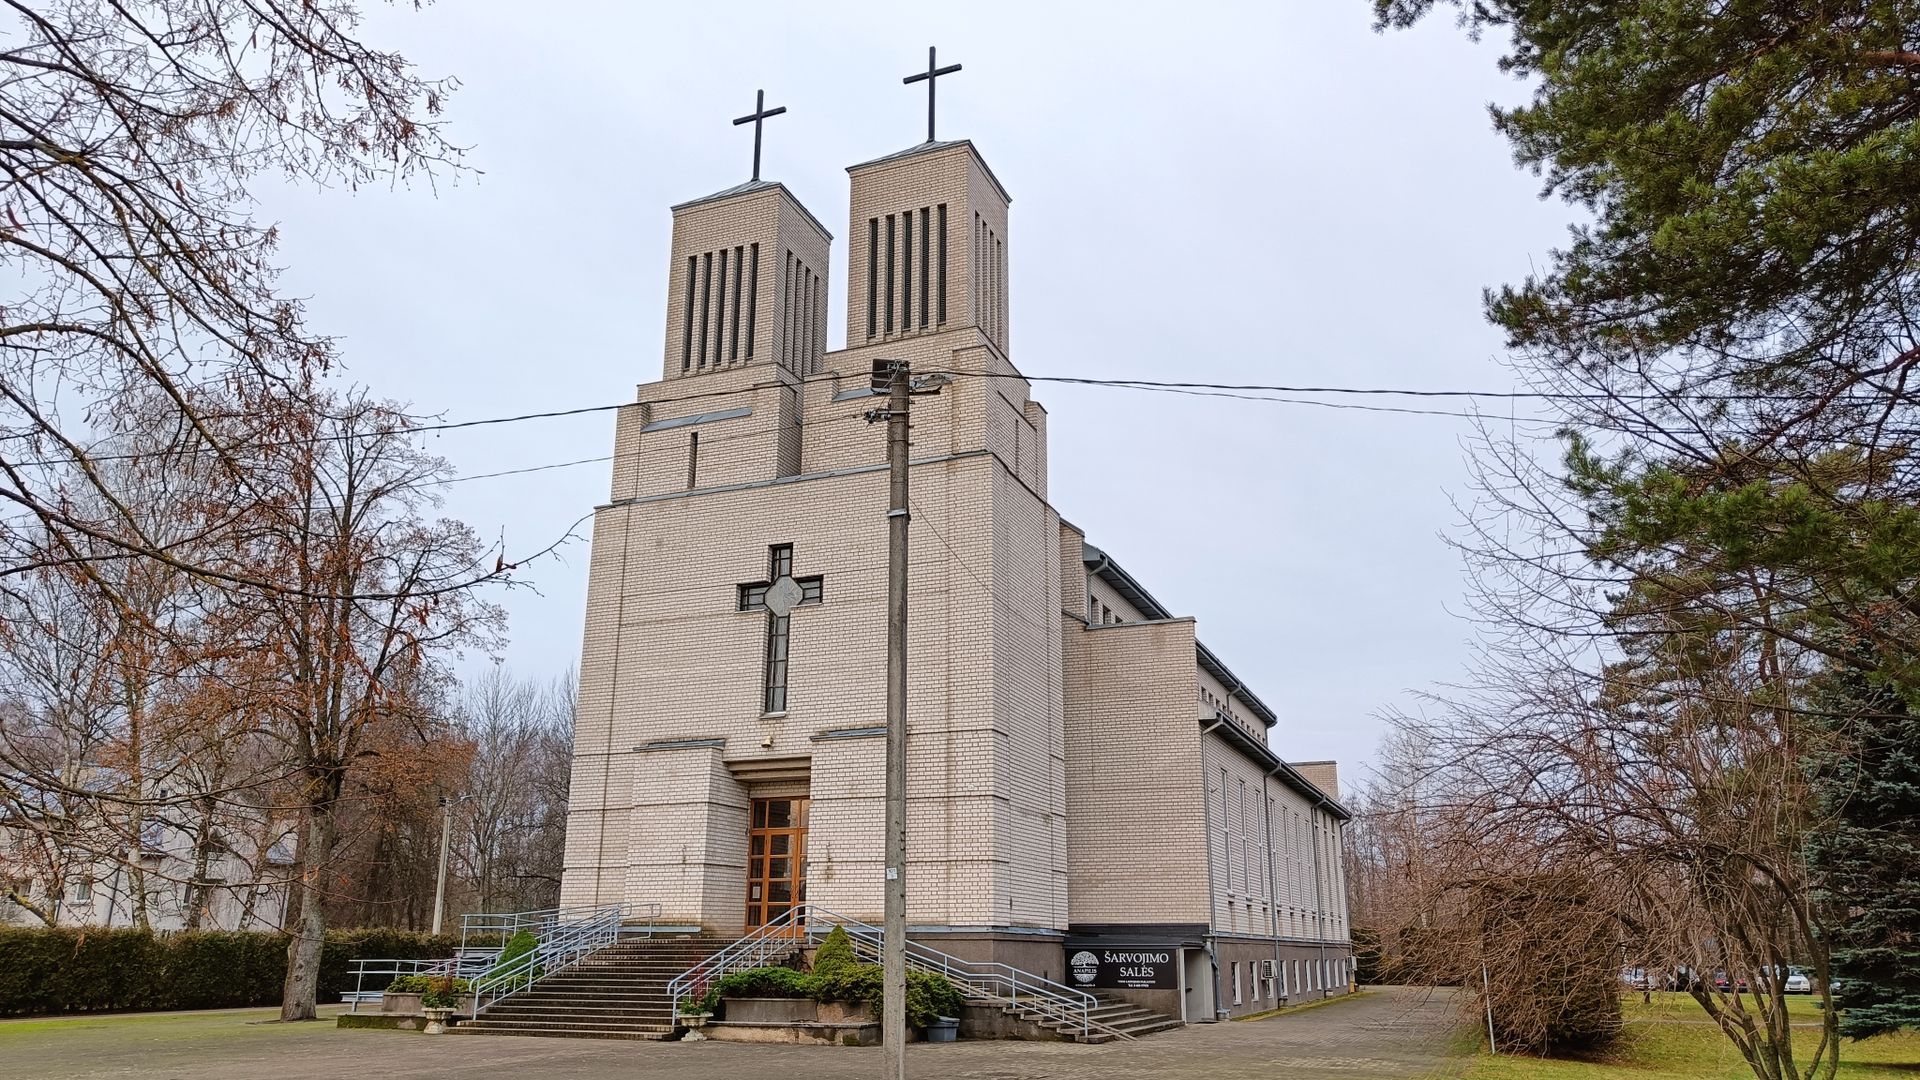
<point x="1266" y="969"/>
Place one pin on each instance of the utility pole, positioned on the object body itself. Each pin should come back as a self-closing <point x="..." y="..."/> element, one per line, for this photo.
<point x="893" y="378"/>
<point x="893" y="1020"/>
<point x="446" y="836"/>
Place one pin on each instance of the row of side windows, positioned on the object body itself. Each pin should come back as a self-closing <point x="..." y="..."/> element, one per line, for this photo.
<point x="1307" y="975"/>
<point x="719" y="286"/>
<point x="907" y="262"/>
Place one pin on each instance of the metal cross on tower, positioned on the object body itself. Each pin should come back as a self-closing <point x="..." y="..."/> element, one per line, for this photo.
<point x="931" y="77"/>
<point x="760" y="112"/>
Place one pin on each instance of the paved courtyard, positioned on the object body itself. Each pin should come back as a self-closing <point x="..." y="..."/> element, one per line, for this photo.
<point x="1385" y="1033"/>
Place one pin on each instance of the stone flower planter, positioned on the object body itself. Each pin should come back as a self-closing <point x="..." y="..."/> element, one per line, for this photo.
<point x="793" y="1011"/>
<point x="437" y="1020"/>
<point x="409" y="1005"/>
<point x="796" y="1020"/>
<point x="694" y="1022"/>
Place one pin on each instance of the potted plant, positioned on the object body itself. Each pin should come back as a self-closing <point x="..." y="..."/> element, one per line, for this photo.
<point x="694" y="1013"/>
<point x="440" y="999"/>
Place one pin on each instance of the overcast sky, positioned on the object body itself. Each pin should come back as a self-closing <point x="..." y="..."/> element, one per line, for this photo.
<point x="1264" y="192"/>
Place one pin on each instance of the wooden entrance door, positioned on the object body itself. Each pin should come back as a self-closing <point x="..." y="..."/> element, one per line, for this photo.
<point x="776" y="859"/>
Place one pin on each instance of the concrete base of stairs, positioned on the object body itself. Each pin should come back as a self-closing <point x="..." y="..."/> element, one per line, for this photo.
<point x="993" y="1019"/>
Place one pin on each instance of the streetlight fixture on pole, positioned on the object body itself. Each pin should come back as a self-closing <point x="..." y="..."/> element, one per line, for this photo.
<point x="893" y="378"/>
<point x="446" y="835"/>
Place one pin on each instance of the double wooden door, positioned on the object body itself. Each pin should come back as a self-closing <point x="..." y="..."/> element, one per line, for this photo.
<point x="776" y="859"/>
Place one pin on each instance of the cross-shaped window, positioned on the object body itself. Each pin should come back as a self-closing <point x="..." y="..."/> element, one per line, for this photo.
<point x="778" y="596"/>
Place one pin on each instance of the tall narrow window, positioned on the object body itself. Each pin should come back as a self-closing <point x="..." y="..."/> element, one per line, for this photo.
<point x="779" y="631"/>
<point x="720" y="311"/>
<point x="706" y="301"/>
<point x="693" y="459"/>
<point x="733" y="345"/>
<point x="873" y="275"/>
<point x="926" y="227"/>
<point x="888" y="323"/>
<point x="993" y="289"/>
<point x="786" y="315"/>
<point x="686" y="320"/>
<point x="1226" y="833"/>
<point x="906" y="271"/>
<point x="819" y="324"/>
<point x="753" y="293"/>
<point x="979" y="272"/>
<point x="779" y="628"/>
<point x="806" y="327"/>
<point x="1000" y="281"/>
<point x="941" y="300"/>
<point x="1236" y="982"/>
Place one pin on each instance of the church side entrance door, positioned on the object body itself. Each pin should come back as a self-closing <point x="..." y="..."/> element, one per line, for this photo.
<point x="776" y="859"/>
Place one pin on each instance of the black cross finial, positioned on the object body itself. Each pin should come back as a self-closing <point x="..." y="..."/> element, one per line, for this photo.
<point x="760" y="112"/>
<point x="931" y="76"/>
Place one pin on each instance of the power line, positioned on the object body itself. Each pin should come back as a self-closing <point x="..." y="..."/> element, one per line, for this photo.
<point x="1260" y="392"/>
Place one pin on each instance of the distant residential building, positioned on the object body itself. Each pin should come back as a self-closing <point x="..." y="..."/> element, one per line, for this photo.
<point x="81" y="884"/>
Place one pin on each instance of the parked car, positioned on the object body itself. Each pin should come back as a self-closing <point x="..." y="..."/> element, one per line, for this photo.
<point x="1636" y="978"/>
<point x="1797" y="982"/>
<point x="1723" y="983"/>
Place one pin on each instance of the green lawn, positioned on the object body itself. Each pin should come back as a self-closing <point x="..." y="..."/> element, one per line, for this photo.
<point x="1673" y="1040"/>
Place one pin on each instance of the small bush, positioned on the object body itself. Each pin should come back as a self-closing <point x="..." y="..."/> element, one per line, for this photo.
<point x="765" y="982"/>
<point x="929" y="995"/>
<point x="835" y="954"/>
<point x="839" y="979"/>
<point x="519" y="945"/>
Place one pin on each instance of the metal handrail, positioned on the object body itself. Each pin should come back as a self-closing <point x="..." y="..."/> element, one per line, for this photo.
<point x="569" y="936"/>
<point x="505" y="924"/>
<point x="809" y="923"/>
<point x="782" y="934"/>
<point x="383" y="972"/>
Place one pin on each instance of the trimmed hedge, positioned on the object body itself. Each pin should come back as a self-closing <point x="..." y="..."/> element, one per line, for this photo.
<point x="67" y="970"/>
<point x="929" y="995"/>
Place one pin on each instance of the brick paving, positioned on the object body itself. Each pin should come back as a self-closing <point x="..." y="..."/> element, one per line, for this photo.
<point x="1395" y="1034"/>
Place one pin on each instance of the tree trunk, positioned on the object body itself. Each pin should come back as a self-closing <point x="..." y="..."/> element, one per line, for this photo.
<point x="200" y="890"/>
<point x="299" y="999"/>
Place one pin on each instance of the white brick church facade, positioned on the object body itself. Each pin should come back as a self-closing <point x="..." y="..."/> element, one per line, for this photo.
<point x="1084" y="774"/>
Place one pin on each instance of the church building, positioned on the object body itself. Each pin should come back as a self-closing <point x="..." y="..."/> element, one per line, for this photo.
<point x="1093" y="793"/>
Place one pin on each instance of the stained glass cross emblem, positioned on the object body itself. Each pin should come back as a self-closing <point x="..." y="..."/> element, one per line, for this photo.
<point x="778" y="596"/>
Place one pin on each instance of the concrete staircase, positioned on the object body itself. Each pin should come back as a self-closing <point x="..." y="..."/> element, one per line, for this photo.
<point x="1112" y="1013"/>
<point x="619" y="992"/>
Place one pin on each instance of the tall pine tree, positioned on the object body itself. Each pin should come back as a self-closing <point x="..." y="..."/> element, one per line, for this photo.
<point x="1866" y="857"/>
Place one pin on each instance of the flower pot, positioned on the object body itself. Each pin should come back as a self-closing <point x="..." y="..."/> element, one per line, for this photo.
<point x="437" y="1020"/>
<point x="943" y="1029"/>
<point x="693" y="1023"/>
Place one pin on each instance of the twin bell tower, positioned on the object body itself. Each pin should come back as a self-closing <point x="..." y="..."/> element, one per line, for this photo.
<point x="747" y="281"/>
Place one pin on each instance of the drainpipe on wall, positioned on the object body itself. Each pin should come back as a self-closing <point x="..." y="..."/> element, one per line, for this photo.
<point x="1320" y="903"/>
<point x="1273" y="877"/>
<point x="1206" y="833"/>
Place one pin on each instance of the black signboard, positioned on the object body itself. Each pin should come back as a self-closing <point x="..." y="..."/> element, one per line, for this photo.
<point x="1128" y="968"/>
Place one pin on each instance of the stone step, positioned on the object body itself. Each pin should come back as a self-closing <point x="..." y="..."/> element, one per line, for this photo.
<point x="1118" y="1016"/>
<point x="1148" y="1027"/>
<point x="596" y="979"/>
<point x="564" y="1024"/>
<point x="569" y="1001"/>
<point x="480" y="1027"/>
<point x="659" y="1015"/>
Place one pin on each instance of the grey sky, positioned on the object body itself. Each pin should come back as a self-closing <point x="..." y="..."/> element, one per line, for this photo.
<point x="1263" y="192"/>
